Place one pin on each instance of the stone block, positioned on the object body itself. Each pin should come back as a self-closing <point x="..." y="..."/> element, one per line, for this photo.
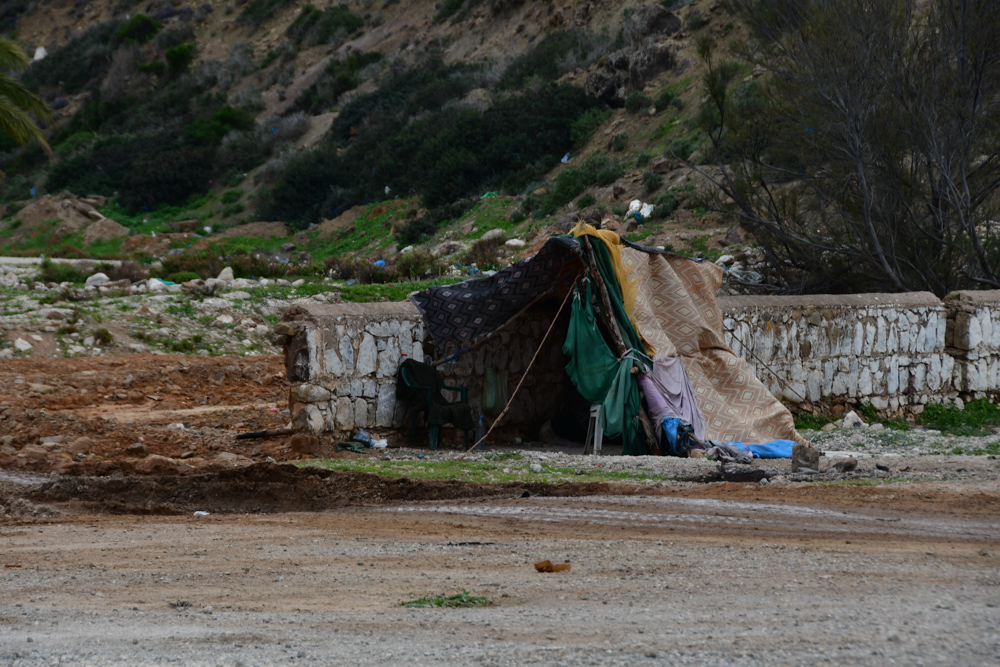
<point x="361" y="413"/>
<point x="344" y="419"/>
<point x="309" y="420"/>
<point x="310" y="393"/>
<point x="386" y="405"/>
<point x="347" y="354"/>
<point x="367" y="356"/>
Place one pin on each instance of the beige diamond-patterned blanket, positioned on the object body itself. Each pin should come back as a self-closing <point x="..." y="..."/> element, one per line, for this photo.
<point x="676" y="313"/>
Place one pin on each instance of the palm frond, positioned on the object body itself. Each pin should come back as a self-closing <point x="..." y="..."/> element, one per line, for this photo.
<point x="12" y="56"/>
<point x="19" y="125"/>
<point x="22" y="97"/>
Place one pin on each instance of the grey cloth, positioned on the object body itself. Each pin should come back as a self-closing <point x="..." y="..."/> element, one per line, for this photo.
<point x="727" y="451"/>
<point x="669" y="393"/>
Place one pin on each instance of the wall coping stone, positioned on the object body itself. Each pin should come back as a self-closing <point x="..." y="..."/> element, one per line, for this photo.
<point x="974" y="296"/>
<point x="316" y="313"/>
<point x="873" y="300"/>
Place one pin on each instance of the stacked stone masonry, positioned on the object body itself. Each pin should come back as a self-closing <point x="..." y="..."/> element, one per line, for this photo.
<point x="897" y="351"/>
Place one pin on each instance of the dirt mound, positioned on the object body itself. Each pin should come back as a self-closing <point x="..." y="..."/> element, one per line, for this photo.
<point x="257" y="230"/>
<point x="104" y="230"/>
<point x="60" y="215"/>
<point x="268" y="487"/>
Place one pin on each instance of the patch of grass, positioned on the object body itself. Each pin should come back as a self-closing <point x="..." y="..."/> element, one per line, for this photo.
<point x="976" y="419"/>
<point x="390" y="291"/>
<point x="490" y="213"/>
<point x="872" y="416"/>
<point x="57" y="272"/>
<point x="489" y="471"/>
<point x="463" y="599"/>
<point x="805" y="421"/>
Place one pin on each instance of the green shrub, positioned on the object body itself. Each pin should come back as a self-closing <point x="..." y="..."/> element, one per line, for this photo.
<point x="361" y="270"/>
<point x="157" y="67"/>
<point x="664" y="205"/>
<point x="555" y="54"/>
<point x="637" y="102"/>
<point x="427" y="224"/>
<point x="448" y="7"/>
<point x="257" y="12"/>
<point x="681" y="148"/>
<point x="585" y="126"/>
<point x="586" y="201"/>
<point x="79" y="61"/>
<point x="572" y="181"/>
<point x="418" y="265"/>
<point x="323" y="27"/>
<point x="338" y="78"/>
<point x="183" y="276"/>
<point x="643" y="159"/>
<point x="179" y="58"/>
<point x="58" y="272"/>
<point x="231" y="196"/>
<point x="651" y="182"/>
<point x="103" y="337"/>
<point x="697" y="20"/>
<point x="664" y="99"/>
<point x="619" y="142"/>
<point x="139" y="29"/>
<point x="208" y="130"/>
<point x="168" y="178"/>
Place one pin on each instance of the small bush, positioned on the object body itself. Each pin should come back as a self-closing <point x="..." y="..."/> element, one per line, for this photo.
<point x="426" y="225"/>
<point x="586" y="201"/>
<point x="139" y="29"/>
<point x="208" y="130"/>
<point x="571" y="182"/>
<point x="663" y="100"/>
<point x="313" y="26"/>
<point x="555" y="54"/>
<point x="486" y="254"/>
<point x="183" y="276"/>
<point x="169" y="178"/>
<point x="362" y="270"/>
<point x="58" y="272"/>
<point x="418" y="265"/>
<point x="231" y="196"/>
<point x="258" y="12"/>
<point x="179" y="58"/>
<point x="643" y="159"/>
<point x="619" y="142"/>
<point x="585" y="126"/>
<point x="664" y="205"/>
<point x="103" y="338"/>
<point x="637" y="102"/>
<point x="157" y="68"/>
<point x="976" y="419"/>
<point x="697" y="21"/>
<point x="681" y="148"/>
<point x="125" y="270"/>
<point x="651" y="182"/>
<point x="81" y="61"/>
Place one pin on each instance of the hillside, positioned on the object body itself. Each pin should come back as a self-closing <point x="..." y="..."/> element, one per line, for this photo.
<point x="364" y="127"/>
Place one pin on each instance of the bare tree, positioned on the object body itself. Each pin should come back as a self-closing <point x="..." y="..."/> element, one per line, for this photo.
<point x="865" y="154"/>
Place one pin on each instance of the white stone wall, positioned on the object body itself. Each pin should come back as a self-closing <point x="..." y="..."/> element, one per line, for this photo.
<point x="897" y="351"/>
<point x="974" y="340"/>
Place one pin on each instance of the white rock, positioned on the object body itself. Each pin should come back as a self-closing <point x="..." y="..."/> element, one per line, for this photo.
<point x="156" y="286"/>
<point x="96" y="280"/>
<point x="9" y="280"/>
<point x="725" y="260"/>
<point x="515" y="243"/>
<point x="215" y="284"/>
<point x="22" y="345"/>
<point x="264" y="282"/>
<point x="224" y="319"/>
<point x="241" y="283"/>
<point x="310" y="393"/>
<point x="852" y="420"/>
<point x="310" y="420"/>
<point x="175" y="289"/>
<point x="367" y="356"/>
<point x="40" y="53"/>
<point x="299" y="283"/>
<point x="226" y="274"/>
<point x="493" y="234"/>
<point x="237" y="295"/>
<point x="405" y="250"/>
<point x="535" y="467"/>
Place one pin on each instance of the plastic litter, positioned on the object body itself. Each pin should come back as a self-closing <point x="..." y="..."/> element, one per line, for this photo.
<point x="492" y="193"/>
<point x="642" y="208"/>
<point x="200" y="513"/>
<point x="362" y="437"/>
<point x="380" y="263"/>
<point x="380" y="444"/>
<point x="565" y="158"/>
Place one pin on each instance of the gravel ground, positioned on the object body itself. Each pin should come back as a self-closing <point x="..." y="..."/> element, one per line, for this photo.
<point x="653" y="581"/>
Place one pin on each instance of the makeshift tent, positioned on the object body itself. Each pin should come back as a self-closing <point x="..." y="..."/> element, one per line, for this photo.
<point x="644" y="324"/>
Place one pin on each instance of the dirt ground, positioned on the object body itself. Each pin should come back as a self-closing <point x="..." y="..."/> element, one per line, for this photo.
<point x="104" y="561"/>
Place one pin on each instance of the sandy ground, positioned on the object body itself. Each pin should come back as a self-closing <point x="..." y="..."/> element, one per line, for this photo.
<point x="654" y="580"/>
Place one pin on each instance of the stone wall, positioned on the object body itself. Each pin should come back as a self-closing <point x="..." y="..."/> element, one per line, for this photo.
<point x="973" y="339"/>
<point x="896" y="351"/>
<point x="342" y="361"/>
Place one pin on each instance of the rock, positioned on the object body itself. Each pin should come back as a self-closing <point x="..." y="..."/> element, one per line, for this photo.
<point x="81" y="445"/>
<point x="736" y="236"/>
<point x="299" y="283"/>
<point x="304" y="444"/>
<point x="650" y="21"/>
<point x="309" y="420"/>
<point x="96" y="280"/>
<point x="242" y="283"/>
<point x="226" y="274"/>
<point x="535" y="467"/>
<point x="156" y="465"/>
<point x="804" y="456"/>
<point x="95" y="200"/>
<point x="224" y="319"/>
<point x="284" y="329"/>
<point x="185" y="226"/>
<point x="660" y="165"/>
<point x="34" y="453"/>
<point x="39" y="388"/>
<point x="844" y="466"/>
<point x="829" y="427"/>
<point x="725" y="260"/>
<point x="287" y="247"/>
<point x="237" y="295"/>
<point x="310" y="393"/>
<point x="214" y="285"/>
<point x="447" y="248"/>
<point x="137" y="449"/>
<point x="852" y="420"/>
<point x="22" y="345"/>
<point x="405" y="250"/>
<point x="7" y="450"/>
<point x="156" y="286"/>
<point x="493" y="234"/>
<point x="9" y="280"/>
<point x="515" y="243"/>
<point x="617" y="191"/>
